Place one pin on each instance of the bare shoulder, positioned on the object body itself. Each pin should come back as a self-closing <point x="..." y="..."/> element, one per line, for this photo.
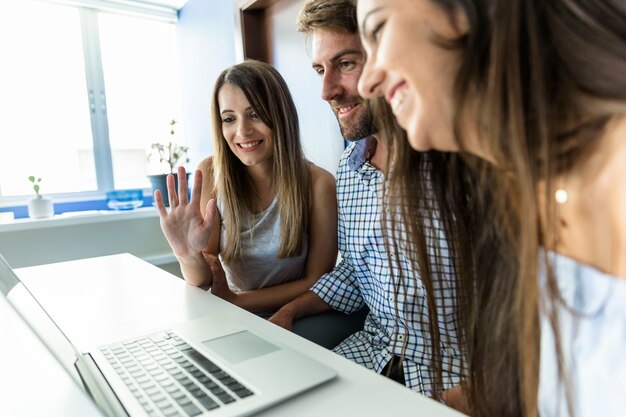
<point x="321" y="180"/>
<point x="206" y="166"/>
<point x="208" y="190"/>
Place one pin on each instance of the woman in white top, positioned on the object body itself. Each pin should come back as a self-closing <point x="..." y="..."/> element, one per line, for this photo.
<point x="530" y="95"/>
<point x="261" y="225"/>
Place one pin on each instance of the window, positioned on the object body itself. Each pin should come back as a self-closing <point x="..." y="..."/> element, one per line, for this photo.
<point x="84" y="94"/>
<point x="140" y="74"/>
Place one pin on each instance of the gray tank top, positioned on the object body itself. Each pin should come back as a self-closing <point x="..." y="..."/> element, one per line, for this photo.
<point x="260" y="241"/>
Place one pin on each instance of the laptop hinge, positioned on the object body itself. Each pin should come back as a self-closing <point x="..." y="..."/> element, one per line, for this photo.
<point x="98" y="387"/>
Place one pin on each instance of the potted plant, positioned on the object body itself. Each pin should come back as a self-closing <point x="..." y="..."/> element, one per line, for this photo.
<point x="170" y="155"/>
<point x="39" y="206"/>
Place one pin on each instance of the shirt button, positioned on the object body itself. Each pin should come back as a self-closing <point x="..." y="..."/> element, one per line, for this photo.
<point x="400" y="337"/>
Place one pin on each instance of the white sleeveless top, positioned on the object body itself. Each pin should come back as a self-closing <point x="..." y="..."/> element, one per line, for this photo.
<point x="259" y="266"/>
<point x="592" y="324"/>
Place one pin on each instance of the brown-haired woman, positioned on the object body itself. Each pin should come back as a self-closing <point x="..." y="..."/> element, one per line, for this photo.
<point x="266" y="211"/>
<point x="531" y="94"/>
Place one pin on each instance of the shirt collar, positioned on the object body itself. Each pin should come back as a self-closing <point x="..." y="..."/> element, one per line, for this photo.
<point x="362" y="152"/>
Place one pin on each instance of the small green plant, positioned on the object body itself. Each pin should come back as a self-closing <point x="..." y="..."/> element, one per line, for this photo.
<point x="35" y="181"/>
<point x="170" y="153"/>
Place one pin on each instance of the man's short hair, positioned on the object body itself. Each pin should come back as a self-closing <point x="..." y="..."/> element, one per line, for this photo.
<point x="333" y="15"/>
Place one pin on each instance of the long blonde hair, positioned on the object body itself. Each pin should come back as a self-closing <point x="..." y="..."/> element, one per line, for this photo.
<point x="270" y="98"/>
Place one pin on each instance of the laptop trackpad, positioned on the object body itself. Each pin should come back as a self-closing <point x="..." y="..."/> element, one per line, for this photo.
<point x="240" y="346"/>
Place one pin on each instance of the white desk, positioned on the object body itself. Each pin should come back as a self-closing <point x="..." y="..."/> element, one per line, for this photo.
<point x="99" y="300"/>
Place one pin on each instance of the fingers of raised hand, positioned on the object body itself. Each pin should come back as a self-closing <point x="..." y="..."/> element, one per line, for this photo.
<point x="171" y="191"/>
<point x="158" y="202"/>
<point x="183" y="189"/>
<point x="197" y="187"/>
<point x="210" y="213"/>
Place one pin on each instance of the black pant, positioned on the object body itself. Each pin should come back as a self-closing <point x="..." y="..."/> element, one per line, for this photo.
<point x="393" y="370"/>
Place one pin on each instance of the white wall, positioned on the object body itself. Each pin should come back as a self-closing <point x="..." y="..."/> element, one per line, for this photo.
<point x="321" y="138"/>
<point x="206" y="42"/>
<point x="64" y="238"/>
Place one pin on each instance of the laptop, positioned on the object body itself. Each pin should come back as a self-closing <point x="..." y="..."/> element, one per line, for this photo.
<point x="29" y="370"/>
<point x="211" y="366"/>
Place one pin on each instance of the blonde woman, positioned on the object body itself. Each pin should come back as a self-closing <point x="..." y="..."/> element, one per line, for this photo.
<point x="261" y="225"/>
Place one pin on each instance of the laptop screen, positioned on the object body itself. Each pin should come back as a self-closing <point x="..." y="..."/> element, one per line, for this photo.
<point x="8" y="279"/>
<point x="36" y="317"/>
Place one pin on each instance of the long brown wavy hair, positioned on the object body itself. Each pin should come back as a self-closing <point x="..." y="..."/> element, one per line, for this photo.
<point x="269" y="96"/>
<point x="423" y="189"/>
<point x="540" y="79"/>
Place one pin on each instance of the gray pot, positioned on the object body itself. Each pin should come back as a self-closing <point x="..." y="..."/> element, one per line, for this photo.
<point x="158" y="183"/>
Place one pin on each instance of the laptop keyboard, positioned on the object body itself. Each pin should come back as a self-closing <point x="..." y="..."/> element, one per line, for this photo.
<point x="170" y="378"/>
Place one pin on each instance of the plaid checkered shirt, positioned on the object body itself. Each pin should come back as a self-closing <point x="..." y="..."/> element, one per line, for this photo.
<point x="363" y="278"/>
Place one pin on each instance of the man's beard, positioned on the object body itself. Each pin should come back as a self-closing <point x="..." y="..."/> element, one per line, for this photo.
<point x="363" y="127"/>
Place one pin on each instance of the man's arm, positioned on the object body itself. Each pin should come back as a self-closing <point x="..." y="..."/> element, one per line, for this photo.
<point x="308" y="304"/>
<point x="456" y="398"/>
<point x="333" y="291"/>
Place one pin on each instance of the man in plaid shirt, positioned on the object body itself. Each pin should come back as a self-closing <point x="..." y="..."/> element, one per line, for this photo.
<point x="395" y="340"/>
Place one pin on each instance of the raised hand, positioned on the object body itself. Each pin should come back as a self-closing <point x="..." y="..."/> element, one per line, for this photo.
<point x="184" y="227"/>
